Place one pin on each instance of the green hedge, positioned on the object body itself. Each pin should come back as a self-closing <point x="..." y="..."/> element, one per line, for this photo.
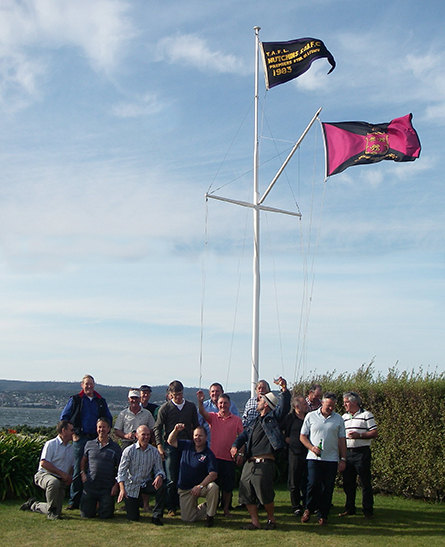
<point x="409" y="454"/>
<point x="19" y="458"/>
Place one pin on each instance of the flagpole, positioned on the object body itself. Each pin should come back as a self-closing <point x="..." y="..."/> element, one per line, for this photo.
<point x="256" y="231"/>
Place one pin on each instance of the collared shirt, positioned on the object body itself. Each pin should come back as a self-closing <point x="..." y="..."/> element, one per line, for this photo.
<point x="128" y="421"/>
<point x="313" y="405"/>
<point x="59" y="454"/>
<point x="103" y="462"/>
<point x="210" y="407"/>
<point x="250" y="411"/>
<point x="361" y="422"/>
<point x="225" y="430"/>
<point x="194" y="466"/>
<point x="138" y="467"/>
<point x="326" y="431"/>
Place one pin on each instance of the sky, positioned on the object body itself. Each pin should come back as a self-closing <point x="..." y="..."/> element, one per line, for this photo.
<point x="118" y="116"/>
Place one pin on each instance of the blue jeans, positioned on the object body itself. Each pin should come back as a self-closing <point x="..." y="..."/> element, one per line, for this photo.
<point x="320" y="486"/>
<point x="76" y="488"/>
<point x="171" y="463"/>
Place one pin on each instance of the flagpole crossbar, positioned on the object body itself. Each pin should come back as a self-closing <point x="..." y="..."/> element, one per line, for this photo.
<point x="253" y="206"/>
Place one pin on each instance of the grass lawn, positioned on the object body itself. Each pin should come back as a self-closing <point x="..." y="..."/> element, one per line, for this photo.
<point x="397" y="522"/>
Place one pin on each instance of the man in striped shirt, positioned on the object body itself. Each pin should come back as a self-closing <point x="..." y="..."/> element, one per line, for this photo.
<point x="360" y="430"/>
<point x="141" y="472"/>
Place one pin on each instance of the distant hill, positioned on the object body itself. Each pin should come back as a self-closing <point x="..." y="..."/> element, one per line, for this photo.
<point x="56" y="394"/>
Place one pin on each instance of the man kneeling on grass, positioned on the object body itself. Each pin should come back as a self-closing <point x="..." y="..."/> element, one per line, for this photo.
<point x="141" y="462"/>
<point x="197" y="475"/>
<point x="55" y="472"/>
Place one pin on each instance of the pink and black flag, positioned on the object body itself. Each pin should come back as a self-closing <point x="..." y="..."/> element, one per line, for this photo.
<point x="284" y="61"/>
<point x="356" y="143"/>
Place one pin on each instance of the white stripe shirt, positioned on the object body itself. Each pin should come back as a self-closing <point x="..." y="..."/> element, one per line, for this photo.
<point x="361" y="422"/>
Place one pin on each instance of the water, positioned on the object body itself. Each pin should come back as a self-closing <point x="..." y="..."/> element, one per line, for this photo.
<point x="33" y="417"/>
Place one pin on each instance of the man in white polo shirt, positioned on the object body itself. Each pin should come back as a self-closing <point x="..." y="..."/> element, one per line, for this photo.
<point x="360" y="430"/>
<point x="323" y="434"/>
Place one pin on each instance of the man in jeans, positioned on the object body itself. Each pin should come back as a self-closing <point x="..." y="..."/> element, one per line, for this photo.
<point x="83" y="410"/>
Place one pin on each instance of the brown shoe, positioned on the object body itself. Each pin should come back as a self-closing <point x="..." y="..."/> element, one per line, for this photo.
<point x="306" y="516"/>
<point x="346" y="514"/>
<point x="323" y="522"/>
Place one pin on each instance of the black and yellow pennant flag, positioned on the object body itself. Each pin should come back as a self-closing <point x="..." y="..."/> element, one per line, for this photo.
<point x="284" y="61"/>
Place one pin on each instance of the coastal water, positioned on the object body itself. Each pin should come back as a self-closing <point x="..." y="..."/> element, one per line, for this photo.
<point x="33" y="417"/>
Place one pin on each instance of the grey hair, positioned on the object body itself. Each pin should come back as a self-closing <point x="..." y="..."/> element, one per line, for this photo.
<point x="353" y="397"/>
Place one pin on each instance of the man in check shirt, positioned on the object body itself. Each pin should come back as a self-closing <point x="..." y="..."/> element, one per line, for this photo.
<point x="139" y="463"/>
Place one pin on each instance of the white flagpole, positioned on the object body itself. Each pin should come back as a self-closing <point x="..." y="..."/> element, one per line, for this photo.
<point x="256" y="233"/>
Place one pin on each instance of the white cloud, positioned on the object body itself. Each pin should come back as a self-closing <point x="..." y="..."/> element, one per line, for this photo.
<point x="29" y="30"/>
<point x="145" y="106"/>
<point x="191" y="50"/>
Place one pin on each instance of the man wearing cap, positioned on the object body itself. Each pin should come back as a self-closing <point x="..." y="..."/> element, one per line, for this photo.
<point x="261" y="441"/>
<point x="145" y="400"/>
<point x="250" y="409"/>
<point x="131" y="418"/>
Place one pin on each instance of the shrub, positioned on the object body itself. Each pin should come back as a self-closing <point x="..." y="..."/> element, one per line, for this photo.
<point x="409" y="408"/>
<point x="19" y="458"/>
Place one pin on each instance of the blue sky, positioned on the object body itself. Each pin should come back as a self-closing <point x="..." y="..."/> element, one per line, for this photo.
<point x="117" y="117"/>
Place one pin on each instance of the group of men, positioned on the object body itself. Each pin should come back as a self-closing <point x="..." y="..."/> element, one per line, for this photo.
<point x="180" y="453"/>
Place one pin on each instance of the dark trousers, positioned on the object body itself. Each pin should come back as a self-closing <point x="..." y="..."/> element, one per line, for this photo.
<point x="320" y="486"/>
<point x="358" y="462"/>
<point x="132" y="504"/>
<point x="297" y="480"/>
<point x="171" y="464"/>
<point x="99" y="502"/>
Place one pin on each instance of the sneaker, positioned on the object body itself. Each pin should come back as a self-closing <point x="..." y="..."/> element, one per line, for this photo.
<point x="53" y="516"/>
<point x="209" y="522"/>
<point x="27" y="505"/>
<point x="270" y="525"/>
<point x="298" y="512"/>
